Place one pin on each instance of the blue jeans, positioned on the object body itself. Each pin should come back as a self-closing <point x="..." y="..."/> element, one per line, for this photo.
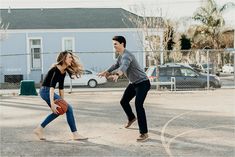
<point x="45" y="95"/>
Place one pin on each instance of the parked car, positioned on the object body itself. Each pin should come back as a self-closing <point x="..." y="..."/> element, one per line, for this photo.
<point x="89" y="78"/>
<point x="212" y="69"/>
<point x="185" y="76"/>
<point x="203" y="68"/>
<point x="228" y="68"/>
<point x="197" y="67"/>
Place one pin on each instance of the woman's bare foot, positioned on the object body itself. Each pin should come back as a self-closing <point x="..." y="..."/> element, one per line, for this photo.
<point x="78" y="137"/>
<point x="39" y="133"/>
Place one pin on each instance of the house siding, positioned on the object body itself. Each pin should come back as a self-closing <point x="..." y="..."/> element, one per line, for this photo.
<point x="94" y="49"/>
<point x="13" y="59"/>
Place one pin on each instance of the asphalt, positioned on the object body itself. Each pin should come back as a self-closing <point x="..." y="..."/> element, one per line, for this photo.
<point x="181" y="124"/>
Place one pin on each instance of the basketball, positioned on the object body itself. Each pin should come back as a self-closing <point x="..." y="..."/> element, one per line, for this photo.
<point x="63" y="104"/>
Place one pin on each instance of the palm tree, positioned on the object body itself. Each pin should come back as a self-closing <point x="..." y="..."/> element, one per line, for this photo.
<point x="211" y="17"/>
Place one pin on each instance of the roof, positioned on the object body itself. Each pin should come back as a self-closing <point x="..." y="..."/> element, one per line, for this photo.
<point x="67" y="18"/>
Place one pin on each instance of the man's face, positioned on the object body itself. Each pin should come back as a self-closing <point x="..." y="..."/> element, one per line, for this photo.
<point x="117" y="46"/>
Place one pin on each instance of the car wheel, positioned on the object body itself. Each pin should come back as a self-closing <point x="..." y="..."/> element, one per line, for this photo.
<point x="92" y="83"/>
<point x="212" y="85"/>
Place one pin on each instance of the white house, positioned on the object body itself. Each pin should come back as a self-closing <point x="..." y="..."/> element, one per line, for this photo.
<point x="35" y="36"/>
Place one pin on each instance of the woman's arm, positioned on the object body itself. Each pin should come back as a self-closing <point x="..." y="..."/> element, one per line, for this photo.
<point x="53" y="105"/>
<point x="61" y="92"/>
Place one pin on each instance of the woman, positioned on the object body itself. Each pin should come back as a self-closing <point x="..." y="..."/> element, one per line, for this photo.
<point x="66" y="62"/>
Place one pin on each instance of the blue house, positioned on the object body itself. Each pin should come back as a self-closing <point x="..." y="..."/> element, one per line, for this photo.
<point x="35" y="36"/>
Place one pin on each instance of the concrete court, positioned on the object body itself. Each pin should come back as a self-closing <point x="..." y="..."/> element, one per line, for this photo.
<point x="181" y="124"/>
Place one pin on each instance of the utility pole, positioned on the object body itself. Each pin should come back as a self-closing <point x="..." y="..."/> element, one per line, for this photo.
<point x="234" y="55"/>
<point x="161" y="47"/>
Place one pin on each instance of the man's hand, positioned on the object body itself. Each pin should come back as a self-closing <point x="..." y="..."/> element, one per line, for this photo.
<point x="114" y="77"/>
<point x="104" y="74"/>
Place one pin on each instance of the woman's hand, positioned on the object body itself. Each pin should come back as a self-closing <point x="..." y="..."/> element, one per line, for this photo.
<point x="54" y="108"/>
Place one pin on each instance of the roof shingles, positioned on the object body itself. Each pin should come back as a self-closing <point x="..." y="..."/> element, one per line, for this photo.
<point x="67" y="18"/>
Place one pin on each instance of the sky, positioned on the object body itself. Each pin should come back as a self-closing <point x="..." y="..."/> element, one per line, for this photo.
<point x="174" y="9"/>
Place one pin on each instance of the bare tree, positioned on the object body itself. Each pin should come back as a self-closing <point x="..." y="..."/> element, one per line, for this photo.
<point x="169" y="37"/>
<point x="150" y="33"/>
<point x="158" y="32"/>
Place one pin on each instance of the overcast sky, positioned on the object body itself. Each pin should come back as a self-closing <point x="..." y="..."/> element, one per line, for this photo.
<point x="166" y="8"/>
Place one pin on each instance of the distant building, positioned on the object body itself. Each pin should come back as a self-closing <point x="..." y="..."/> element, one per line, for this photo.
<point x="35" y="36"/>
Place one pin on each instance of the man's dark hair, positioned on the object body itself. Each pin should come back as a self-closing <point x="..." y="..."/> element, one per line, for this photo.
<point x="120" y="39"/>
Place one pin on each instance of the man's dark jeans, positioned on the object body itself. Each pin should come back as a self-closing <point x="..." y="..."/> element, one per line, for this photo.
<point x="139" y="91"/>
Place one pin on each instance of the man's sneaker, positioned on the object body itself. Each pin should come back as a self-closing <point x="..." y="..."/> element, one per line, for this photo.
<point x="142" y="137"/>
<point x="130" y="123"/>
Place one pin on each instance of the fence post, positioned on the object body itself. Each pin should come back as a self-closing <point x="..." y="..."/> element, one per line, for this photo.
<point x="234" y="67"/>
<point x="208" y="78"/>
<point x="161" y="57"/>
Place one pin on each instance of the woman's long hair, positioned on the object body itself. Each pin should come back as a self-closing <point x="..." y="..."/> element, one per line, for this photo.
<point x="75" y="68"/>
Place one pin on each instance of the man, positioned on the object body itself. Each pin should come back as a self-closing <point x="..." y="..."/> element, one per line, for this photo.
<point x="138" y="87"/>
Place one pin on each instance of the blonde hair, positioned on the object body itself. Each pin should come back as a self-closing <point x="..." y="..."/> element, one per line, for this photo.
<point x="75" y="68"/>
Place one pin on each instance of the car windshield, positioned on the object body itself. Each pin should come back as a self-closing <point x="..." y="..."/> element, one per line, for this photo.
<point x="205" y="66"/>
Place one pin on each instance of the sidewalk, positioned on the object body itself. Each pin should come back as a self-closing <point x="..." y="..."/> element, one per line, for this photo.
<point x="9" y="92"/>
<point x="185" y="124"/>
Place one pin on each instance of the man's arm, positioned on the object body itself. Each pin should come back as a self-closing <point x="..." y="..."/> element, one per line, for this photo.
<point x="125" y="63"/>
<point x="107" y="72"/>
<point x="113" y="67"/>
<point x="115" y="76"/>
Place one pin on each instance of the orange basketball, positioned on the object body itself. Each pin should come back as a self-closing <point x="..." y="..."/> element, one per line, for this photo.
<point x="63" y="104"/>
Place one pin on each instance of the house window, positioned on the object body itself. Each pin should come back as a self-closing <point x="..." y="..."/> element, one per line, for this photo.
<point x="68" y="44"/>
<point x="35" y="53"/>
<point x="13" y="78"/>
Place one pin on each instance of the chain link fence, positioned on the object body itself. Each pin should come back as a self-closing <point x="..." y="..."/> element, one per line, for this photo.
<point x="209" y="67"/>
